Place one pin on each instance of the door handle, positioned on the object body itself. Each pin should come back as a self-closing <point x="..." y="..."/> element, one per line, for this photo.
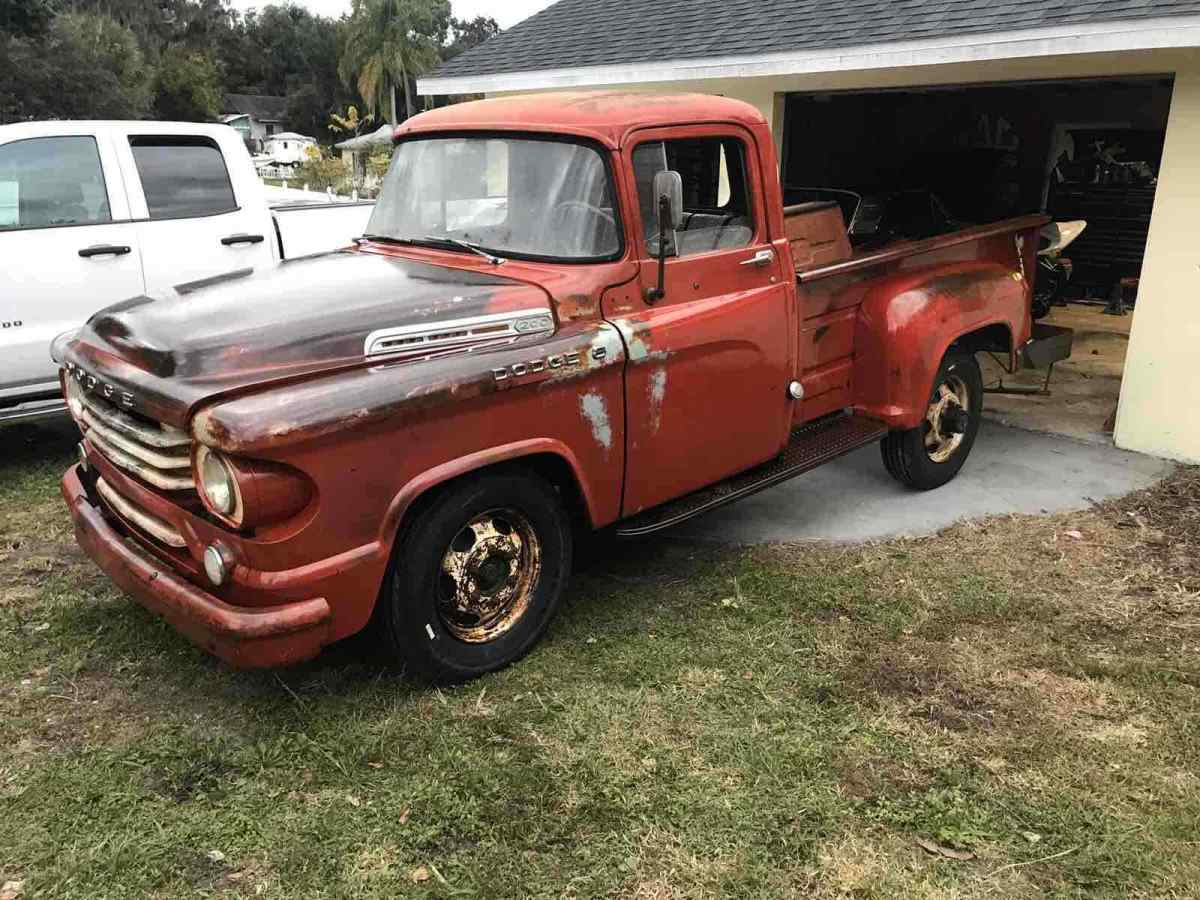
<point x="760" y="259"/>
<point x="242" y="239"/>
<point x="104" y="250"/>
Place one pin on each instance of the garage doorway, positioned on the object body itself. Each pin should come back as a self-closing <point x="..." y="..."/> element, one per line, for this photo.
<point x="941" y="157"/>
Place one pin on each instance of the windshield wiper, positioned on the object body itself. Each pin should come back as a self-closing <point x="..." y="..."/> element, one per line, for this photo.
<point x="382" y="238"/>
<point x="465" y="245"/>
<point x="437" y="239"/>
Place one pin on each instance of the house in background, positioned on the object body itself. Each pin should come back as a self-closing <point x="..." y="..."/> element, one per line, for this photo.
<point x="1087" y="110"/>
<point x="255" y="117"/>
<point x="359" y="149"/>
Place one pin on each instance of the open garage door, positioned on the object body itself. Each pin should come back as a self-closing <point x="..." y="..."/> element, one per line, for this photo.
<point x="915" y="162"/>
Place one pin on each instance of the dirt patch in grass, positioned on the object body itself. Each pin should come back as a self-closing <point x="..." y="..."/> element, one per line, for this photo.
<point x="1165" y="520"/>
<point x="927" y="689"/>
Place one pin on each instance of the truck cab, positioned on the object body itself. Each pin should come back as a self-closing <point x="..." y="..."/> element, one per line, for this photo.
<point x="569" y="312"/>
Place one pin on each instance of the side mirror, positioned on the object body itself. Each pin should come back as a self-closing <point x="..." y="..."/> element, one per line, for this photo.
<point x="668" y="206"/>
<point x="668" y="200"/>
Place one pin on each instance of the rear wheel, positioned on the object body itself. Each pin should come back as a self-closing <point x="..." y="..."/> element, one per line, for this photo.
<point x="930" y="455"/>
<point x="476" y="577"/>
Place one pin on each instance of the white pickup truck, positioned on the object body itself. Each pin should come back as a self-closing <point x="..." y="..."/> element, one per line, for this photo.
<point x="92" y="213"/>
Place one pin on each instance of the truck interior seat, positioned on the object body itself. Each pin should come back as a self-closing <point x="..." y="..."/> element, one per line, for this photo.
<point x="701" y="232"/>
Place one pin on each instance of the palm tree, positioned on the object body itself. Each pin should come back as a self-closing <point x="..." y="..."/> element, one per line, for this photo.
<point x="387" y="42"/>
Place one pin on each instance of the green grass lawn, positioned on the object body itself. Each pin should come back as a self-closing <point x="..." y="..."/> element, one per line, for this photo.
<point x="701" y="722"/>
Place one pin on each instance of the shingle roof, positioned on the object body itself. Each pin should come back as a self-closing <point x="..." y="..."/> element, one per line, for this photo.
<point x="574" y="33"/>
<point x="262" y="107"/>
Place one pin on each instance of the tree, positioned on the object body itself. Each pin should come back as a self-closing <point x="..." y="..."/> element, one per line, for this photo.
<point x="467" y="34"/>
<point x="26" y="18"/>
<point x="113" y="48"/>
<point x="85" y="66"/>
<point x="387" y="43"/>
<point x="188" y="87"/>
<point x="159" y="24"/>
<point x="351" y="124"/>
<point x="286" y="50"/>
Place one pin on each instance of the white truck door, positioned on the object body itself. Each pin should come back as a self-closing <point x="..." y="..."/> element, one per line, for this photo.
<point x="200" y="216"/>
<point x="68" y="250"/>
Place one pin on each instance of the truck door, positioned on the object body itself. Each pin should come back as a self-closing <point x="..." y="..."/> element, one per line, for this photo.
<point x="193" y="225"/>
<point x="707" y="376"/>
<point x="67" y="246"/>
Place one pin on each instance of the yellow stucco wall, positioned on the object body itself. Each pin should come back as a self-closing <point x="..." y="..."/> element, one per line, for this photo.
<point x="1160" y="399"/>
<point x="1160" y="396"/>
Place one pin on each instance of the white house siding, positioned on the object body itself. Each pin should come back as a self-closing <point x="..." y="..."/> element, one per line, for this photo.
<point x="1160" y="395"/>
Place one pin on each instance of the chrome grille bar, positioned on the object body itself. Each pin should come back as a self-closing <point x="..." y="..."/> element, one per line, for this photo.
<point x="112" y="436"/>
<point x="152" y="525"/>
<point x="145" y="471"/>
<point x="156" y="453"/>
<point x="152" y="434"/>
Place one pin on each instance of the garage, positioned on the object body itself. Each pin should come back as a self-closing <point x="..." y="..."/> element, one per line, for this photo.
<point x="917" y="162"/>
<point x="1088" y="111"/>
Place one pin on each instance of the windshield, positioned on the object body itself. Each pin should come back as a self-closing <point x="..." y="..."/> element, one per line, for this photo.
<point x="508" y="196"/>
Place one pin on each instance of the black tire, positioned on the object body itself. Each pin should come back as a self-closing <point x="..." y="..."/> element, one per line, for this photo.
<point x="1041" y="305"/>
<point x="420" y="626"/>
<point x="905" y="453"/>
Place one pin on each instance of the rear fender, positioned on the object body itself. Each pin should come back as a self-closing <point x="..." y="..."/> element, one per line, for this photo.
<point x="908" y="322"/>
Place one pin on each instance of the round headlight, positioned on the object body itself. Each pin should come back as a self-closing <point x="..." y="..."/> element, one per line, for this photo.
<point x="217" y="482"/>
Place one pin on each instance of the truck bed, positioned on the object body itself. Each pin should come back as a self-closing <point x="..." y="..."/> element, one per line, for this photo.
<point x="307" y="228"/>
<point x="834" y="282"/>
<point x="810" y="268"/>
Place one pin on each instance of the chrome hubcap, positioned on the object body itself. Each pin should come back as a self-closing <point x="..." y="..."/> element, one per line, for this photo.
<point x="951" y="402"/>
<point x="488" y="576"/>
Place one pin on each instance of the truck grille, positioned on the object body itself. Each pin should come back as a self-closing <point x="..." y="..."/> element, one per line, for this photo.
<point x="153" y="526"/>
<point x="156" y="453"/>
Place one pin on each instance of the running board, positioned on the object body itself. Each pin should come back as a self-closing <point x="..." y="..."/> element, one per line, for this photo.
<point x="811" y="446"/>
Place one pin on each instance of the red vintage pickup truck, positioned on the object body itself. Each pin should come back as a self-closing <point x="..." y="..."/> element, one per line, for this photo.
<point x="574" y="311"/>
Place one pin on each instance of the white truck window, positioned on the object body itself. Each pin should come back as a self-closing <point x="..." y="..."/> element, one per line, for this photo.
<point x="182" y="177"/>
<point x="52" y="181"/>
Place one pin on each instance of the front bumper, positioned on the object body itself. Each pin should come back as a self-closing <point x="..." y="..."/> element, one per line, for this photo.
<point x="244" y="637"/>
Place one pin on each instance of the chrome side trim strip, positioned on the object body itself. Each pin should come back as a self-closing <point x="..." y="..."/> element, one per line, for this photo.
<point x="495" y="328"/>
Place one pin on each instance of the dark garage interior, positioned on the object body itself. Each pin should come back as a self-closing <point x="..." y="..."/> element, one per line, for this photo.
<point x="940" y="158"/>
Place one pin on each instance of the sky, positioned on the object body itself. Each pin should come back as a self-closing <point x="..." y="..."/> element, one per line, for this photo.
<point x="506" y="12"/>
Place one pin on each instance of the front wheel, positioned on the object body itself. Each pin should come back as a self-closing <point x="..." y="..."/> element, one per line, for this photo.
<point x="476" y="577"/>
<point x="930" y="455"/>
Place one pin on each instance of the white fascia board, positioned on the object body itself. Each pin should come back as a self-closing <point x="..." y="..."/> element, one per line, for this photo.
<point x="1101" y="37"/>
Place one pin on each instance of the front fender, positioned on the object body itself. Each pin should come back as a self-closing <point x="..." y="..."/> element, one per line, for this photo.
<point x="464" y="465"/>
<point x="908" y="322"/>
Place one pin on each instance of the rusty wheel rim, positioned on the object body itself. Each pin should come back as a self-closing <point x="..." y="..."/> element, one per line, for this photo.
<point x="951" y="394"/>
<point x="488" y="575"/>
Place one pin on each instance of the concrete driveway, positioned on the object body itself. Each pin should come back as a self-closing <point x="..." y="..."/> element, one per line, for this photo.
<point x="854" y="499"/>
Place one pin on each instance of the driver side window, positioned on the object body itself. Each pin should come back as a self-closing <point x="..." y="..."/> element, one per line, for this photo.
<point x="716" y="201"/>
<point x="52" y="181"/>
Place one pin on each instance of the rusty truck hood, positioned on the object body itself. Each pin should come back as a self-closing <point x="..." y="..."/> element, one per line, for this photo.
<point x="302" y="317"/>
